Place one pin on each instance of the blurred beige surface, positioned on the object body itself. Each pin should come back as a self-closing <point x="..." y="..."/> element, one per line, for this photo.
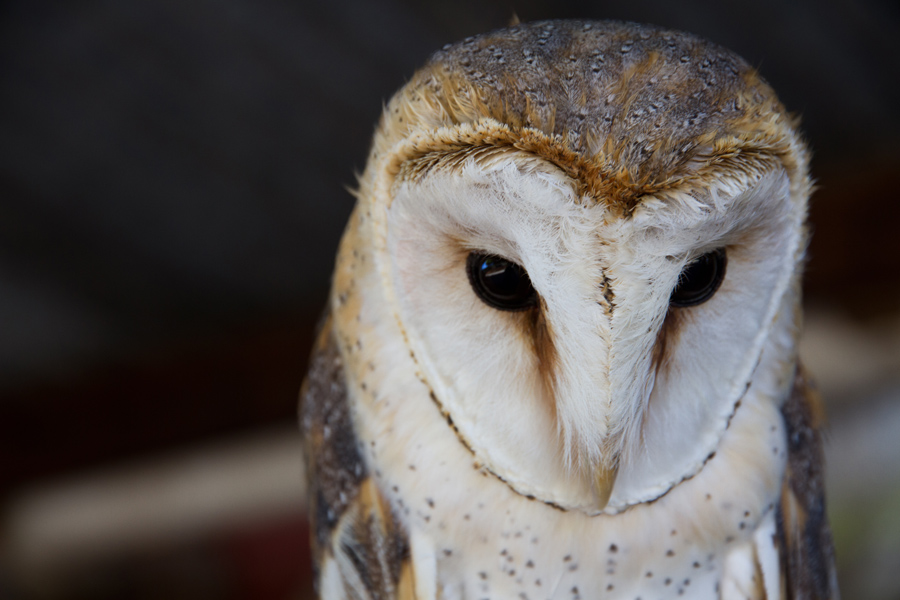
<point x="60" y="525"/>
<point x="857" y="367"/>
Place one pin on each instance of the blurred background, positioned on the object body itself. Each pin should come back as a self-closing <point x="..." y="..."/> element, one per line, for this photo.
<point x="172" y="187"/>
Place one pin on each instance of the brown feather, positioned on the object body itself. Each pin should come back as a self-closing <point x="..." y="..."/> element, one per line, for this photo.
<point x="625" y="110"/>
<point x="808" y="552"/>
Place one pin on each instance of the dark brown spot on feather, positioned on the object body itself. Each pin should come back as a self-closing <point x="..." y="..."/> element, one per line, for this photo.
<point x="609" y="296"/>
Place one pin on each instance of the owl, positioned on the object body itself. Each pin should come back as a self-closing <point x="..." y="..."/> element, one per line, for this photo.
<point x="559" y="359"/>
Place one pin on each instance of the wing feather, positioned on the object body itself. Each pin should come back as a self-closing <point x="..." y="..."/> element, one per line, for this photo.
<point x="802" y="526"/>
<point x="360" y="551"/>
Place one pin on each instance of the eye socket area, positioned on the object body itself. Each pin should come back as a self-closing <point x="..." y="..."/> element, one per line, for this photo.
<point x="700" y="279"/>
<point x="500" y="283"/>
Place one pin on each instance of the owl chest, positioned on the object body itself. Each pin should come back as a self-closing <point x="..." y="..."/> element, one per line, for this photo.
<point x="481" y="539"/>
<point x="517" y="548"/>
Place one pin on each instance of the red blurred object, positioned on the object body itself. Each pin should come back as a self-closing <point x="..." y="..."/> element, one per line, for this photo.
<point x="270" y="562"/>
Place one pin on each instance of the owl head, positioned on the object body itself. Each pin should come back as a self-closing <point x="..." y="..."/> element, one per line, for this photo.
<point x="587" y="236"/>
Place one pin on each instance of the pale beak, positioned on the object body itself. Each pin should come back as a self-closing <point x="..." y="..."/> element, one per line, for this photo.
<point x="604" y="478"/>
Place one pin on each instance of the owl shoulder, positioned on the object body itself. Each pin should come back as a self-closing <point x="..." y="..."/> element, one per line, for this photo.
<point x="360" y="550"/>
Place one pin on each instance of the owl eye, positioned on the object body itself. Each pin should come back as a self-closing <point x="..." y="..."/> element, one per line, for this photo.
<point x="499" y="283"/>
<point x="700" y="279"/>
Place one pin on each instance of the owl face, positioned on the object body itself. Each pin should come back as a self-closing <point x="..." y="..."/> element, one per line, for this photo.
<point x="585" y="308"/>
<point x="611" y="360"/>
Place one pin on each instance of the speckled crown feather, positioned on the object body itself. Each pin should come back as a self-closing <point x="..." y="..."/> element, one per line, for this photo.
<point x="626" y="110"/>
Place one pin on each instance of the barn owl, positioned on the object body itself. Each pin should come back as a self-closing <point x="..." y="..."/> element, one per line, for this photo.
<point x="559" y="359"/>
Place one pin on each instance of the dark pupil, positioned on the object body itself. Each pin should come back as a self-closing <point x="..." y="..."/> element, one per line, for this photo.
<point x="500" y="283"/>
<point x="700" y="279"/>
